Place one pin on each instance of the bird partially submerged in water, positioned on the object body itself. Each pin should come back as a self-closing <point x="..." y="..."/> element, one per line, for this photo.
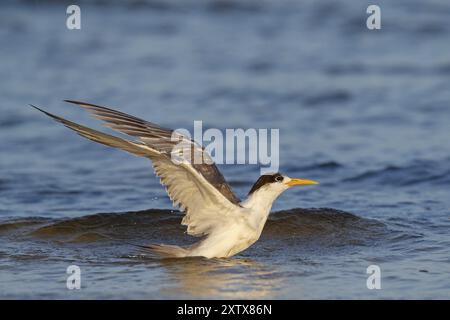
<point x="212" y="211"/>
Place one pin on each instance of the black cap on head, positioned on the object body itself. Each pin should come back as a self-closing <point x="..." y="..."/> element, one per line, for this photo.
<point x="265" y="179"/>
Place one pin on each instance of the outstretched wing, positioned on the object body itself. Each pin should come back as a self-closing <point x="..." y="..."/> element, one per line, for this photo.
<point x="199" y="190"/>
<point x="163" y="140"/>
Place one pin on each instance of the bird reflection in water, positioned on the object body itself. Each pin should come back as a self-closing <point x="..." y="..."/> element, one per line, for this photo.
<point x="221" y="278"/>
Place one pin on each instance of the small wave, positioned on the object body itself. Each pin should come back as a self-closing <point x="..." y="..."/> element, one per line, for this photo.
<point x="323" y="227"/>
<point x="176" y="5"/>
<point x="127" y="225"/>
<point x="418" y="172"/>
<point x="21" y="224"/>
<point x="383" y="69"/>
<point x="8" y="123"/>
<point x="373" y="173"/>
<point x="346" y="69"/>
<point x="326" y="165"/>
<point x="236" y="5"/>
<point x="164" y="225"/>
<point x="328" y="98"/>
<point x="3" y="184"/>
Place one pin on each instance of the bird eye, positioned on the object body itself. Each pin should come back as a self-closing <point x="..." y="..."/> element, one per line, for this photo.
<point x="278" y="178"/>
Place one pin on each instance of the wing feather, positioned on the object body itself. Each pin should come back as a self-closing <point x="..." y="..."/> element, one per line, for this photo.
<point x="205" y="206"/>
<point x="161" y="139"/>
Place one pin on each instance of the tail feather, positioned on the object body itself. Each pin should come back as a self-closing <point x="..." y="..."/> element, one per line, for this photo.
<point x="168" y="251"/>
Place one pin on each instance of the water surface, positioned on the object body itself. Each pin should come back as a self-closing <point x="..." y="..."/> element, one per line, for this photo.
<point x="366" y="113"/>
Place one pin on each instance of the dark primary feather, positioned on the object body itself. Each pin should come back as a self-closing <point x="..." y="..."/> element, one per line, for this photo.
<point x="98" y="136"/>
<point x="150" y="134"/>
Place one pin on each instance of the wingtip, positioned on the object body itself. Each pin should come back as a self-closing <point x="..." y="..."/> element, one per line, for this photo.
<point x="45" y="112"/>
<point x="39" y="109"/>
<point x="72" y="101"/>
<point x="80" y="103"/>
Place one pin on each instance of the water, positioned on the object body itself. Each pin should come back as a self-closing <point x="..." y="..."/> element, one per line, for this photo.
<point x="364" y="112"/>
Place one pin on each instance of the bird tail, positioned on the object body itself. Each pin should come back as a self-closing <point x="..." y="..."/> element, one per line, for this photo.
<point x="168" y="251"/>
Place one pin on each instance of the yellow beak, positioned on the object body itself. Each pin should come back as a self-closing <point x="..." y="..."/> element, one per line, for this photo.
<point x="297" y="182"/>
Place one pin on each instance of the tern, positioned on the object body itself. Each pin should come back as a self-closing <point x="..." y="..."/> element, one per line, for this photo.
<point x="211" y="210"/>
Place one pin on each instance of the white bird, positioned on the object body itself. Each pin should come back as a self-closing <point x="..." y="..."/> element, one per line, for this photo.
<point x="212" y="211"/>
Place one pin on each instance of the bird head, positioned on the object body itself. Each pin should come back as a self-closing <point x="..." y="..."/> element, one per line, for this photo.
<point x="274" y="184"/>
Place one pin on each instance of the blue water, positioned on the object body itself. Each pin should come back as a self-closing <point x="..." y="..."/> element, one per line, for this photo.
<point x="366" y="113"/>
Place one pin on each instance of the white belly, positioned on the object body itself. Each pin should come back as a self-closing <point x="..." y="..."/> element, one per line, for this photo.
<point x="226" y="243"/>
